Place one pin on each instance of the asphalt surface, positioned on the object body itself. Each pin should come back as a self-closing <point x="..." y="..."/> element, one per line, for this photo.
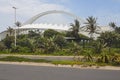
<point x="20" y="72"/>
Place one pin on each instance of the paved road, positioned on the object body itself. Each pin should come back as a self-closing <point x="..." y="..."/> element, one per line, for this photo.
<point x="20" y="72"/>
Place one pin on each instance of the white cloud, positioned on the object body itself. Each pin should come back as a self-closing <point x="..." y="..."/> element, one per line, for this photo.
<point x="28" y="8"/>
<point x="33" y="7"/>
<point x="62" y="1"/>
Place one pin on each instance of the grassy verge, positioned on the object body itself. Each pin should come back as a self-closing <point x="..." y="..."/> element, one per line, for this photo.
<point x="21" y="59"/>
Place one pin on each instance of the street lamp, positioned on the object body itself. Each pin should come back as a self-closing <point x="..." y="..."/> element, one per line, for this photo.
<point x="15" y="25"/>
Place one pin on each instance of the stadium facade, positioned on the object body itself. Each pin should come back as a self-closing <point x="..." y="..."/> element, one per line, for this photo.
<point x="28" y="25"/>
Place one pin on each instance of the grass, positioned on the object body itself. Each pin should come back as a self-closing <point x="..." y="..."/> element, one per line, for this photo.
<point x="21" y="59"/>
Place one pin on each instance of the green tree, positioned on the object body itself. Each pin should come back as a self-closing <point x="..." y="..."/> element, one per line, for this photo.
<point x="39" y="42"/>
<point x="115" y="27"/>
<point x="10" y="31"/>
<point x="18" y="24"/>
<point x="112" y="25"/>
<point x="107" y="39"/>
<point x="91" y="26"/>
<point x="75" y="29"/>
<point x="117" y="30"/>
<point x="50" y="46"/>
<point x="60" y="41"/>
<point x="97" y="47"/>
<point x="33" y="34"/>
<point x="8" y="41"/>
<point x="50" y="33"/>
<point x="24" y="43"/>
<point x="2" y="46"/>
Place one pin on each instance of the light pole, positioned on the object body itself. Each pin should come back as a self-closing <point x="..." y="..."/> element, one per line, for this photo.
<point x="15" y="25"/>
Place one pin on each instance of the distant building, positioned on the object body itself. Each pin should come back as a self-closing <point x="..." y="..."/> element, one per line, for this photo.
<point x="28" y="25"/>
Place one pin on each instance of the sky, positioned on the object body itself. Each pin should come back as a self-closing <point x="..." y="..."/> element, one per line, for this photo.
<point x="104" y="10"/>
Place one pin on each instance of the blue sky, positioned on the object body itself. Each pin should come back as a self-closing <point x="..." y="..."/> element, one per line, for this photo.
<point x="105" y="10"/>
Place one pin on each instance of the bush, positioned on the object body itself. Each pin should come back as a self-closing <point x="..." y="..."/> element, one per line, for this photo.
<point x="60" y="41"/>
<point x="19" y="49"/>
<point x="8" y="41"/>
<point x="2" y="46"/>
<point x="24" y="43"/>
<point x="115" y="59"/>
<point x="50" y="33"/>
<point x="104" y="59"/>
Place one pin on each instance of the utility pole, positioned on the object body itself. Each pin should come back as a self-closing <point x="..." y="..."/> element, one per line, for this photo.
<point x="15" y="25"/>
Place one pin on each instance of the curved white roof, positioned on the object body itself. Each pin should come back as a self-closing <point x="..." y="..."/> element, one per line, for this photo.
<point x="46" y="26"/>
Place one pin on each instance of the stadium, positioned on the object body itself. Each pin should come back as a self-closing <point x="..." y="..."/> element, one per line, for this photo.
<point x="29" y="25"/>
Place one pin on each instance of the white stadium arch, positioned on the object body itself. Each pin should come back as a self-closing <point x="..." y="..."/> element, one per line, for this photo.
<point x="31" y="20"/>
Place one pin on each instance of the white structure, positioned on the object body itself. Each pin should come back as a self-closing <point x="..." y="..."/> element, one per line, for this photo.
<point x="28" y="25"/>
<point x="45" y="27"/>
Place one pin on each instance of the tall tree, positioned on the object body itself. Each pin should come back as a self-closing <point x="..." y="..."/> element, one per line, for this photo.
<point x="10" y="31"/>
<point x="112" y="25"/>
<point x="18" y="24"/>
<point x="107" y="39"/>
<point x="75" y="28"/>
<point x="115" y="27"/>
<point x="92" y="26"/>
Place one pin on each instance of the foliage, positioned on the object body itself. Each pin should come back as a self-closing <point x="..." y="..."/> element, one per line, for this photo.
<point x="33" y="34"/>
<point x="8" y="41"/>
<point x="20" y="59"/>
<point x="24" y="42"/>
<point x="39" y="42"/>
<point x="91" y="26"/>
<point x="88" y="58"/>
<point x="50" y="33"/>
<point x="107" y="38"/>
<point x="97" y="47"/>
<point x="60" y="41"/>
<point x="50" y="46"/>
<point x="52" y="42"/>
<point x="19" y="49"/>
<point x="104" y="59"/>
<point x="75" y="29"/>
<point x="10" y="31"/>
<point x="115" y="59"/>
<point x="2" y="46"/>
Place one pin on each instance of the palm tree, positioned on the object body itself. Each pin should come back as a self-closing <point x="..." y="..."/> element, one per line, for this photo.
<point x="18" y="24"/>
<point x="10" y="31"/>
<point x="107" y="38"/>
<point x="91" y="26"/>
<point x="115" y="27"/>
<point x="75" y="28"/>
<point x="112" y="25"/>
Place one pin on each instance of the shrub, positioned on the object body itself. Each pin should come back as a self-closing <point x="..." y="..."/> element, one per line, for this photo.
<point x="104" y="59"/>
<point x="115" y="59"/>
<point x="8" y="41"/>
<point x="19" y="49"/>
<point x="50" y="33"/>
<point x="2" y="46"/>
<point x="60" y="41"/>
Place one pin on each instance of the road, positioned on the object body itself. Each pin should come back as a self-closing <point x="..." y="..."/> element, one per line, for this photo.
<point x="22" y="72"/>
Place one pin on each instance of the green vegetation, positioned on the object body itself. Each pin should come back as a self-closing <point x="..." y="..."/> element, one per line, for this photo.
<point x="101" y="61"/>
<point x="105" y="49"/>
<point x="20" y="59"/>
